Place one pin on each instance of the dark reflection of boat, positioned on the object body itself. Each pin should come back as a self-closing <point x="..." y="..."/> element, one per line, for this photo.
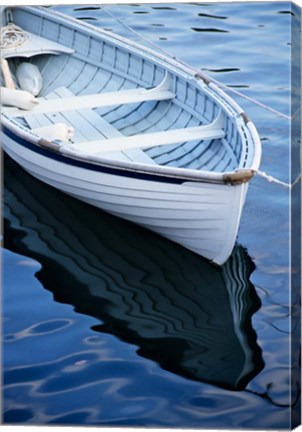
<point x="191" y="317"/>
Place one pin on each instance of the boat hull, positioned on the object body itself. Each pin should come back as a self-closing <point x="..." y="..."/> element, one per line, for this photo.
<point x="200" y="216"/>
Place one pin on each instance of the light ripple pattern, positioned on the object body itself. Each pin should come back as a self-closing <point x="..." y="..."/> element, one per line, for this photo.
<point x="106" y="324"/>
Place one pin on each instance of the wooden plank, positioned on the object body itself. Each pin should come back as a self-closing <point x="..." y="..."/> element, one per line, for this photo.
<point x="175" y="136"/>
<point x="108" y="131"/>
<point x="97" y="100"/>
<point x="91" y="124"/>
<point x="83" y="129"/>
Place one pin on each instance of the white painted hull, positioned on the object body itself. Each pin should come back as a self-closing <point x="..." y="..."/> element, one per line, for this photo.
<point x="202" y="217"/>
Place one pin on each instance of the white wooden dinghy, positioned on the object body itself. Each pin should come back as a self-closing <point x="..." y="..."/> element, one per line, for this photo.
<point x="128" y="130"/>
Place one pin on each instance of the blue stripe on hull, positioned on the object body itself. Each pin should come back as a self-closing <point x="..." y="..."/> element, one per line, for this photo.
<point x="90" y="166"/>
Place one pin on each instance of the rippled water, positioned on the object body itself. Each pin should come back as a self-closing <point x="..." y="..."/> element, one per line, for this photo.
<point x="107" y="324"/>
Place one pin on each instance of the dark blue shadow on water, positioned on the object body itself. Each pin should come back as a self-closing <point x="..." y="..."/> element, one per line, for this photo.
<point x="189" y="316"/>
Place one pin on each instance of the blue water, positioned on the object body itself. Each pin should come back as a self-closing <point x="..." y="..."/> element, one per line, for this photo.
<point x="107" y="324"/>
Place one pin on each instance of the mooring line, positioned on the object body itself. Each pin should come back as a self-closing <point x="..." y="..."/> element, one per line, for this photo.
<point x="219" y="83"/>
<point x="272" y="179"/>
<point x="227" y="88"/>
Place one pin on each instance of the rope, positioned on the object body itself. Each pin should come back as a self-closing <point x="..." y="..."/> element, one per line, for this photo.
<point x="272" y="179"/>
<point x="225" y="87"/>
<point x="219" y="83"/>
<point x="120" y="21"/>
<point x="12" y="37"/>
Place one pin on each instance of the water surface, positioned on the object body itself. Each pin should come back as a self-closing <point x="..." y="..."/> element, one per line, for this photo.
<point x="108" y="324"/>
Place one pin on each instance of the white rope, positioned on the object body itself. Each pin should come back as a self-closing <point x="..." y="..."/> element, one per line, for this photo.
<point x="272" y="179"/>
<point x="219" y="83"/>
<point x="12" y="37"/>
<point x="225" y="87"/>
<point x="297" y="180"/>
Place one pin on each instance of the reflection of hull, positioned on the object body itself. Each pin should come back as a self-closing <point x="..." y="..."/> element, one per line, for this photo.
<point x="188" y="315"/>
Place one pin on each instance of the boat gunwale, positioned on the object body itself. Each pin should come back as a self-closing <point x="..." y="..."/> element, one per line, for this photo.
<point x="241" y="121"/>
<point x="181" y="174"/>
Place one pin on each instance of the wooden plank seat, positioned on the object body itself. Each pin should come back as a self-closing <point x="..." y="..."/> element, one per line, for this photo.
<point x="71" y="102"/>
<point x="95" y="136"/>
<point x="147" y="140"/>
<point x="87" y="125"/>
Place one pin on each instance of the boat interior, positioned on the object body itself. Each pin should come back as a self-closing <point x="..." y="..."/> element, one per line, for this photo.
<point x="121" y="104"/>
